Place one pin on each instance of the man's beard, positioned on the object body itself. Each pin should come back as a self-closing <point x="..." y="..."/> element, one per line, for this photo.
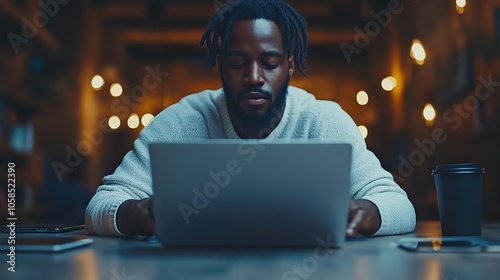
<point x="255" y="122"/>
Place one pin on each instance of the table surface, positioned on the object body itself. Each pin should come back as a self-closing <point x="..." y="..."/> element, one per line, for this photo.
<point x="113" y="258"/>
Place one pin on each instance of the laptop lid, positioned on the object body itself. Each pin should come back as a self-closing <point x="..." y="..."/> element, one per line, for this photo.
<point x="251" y="193"/>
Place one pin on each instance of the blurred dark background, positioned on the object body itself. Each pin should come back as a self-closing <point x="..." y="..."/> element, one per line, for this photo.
<point x="421" y="78"/>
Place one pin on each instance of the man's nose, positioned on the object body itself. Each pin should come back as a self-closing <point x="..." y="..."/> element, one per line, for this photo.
<point x="254" y="75"/>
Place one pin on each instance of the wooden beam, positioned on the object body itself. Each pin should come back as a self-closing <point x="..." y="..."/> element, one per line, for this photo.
<point x="135" y="11"/>
<point x="43" y="34"/>
<point x="193" y="36"/>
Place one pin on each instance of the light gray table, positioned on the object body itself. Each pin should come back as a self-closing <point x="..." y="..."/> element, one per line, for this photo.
<point x="367" y="258"/>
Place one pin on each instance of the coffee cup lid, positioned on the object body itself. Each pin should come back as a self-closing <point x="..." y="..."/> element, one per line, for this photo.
<point x="458" y="168"/>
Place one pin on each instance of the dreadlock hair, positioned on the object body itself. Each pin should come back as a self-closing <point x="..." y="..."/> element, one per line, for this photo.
<point x="291" y="24"/>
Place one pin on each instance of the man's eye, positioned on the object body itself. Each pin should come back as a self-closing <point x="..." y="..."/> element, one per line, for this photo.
<point x="237" y="65"/>
<point x="270" y="66"/>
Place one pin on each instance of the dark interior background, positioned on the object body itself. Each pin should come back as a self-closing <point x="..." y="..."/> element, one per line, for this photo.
<point x="54" y="124"/>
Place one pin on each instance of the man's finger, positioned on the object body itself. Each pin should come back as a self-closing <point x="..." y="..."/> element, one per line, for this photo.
<point x="355" y="223"/>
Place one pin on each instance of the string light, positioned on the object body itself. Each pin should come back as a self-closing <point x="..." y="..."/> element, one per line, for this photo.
<point x="97" y="82"/>
<point x="461" y="3"/>
<point x="133" y="121"/>
<point x="429" y="113"/>
<point x="461" y="6"/>
<point x="114" y="122"/>
<point x="116" y="89"/>
<point x="389" y="83"/>
<point x="364" y="131"/>
<point x="146" y="119"/>
<point x="417" y="52"/>
<point x="362" y="97"/>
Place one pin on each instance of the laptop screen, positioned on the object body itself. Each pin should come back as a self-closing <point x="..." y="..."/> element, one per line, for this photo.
<point x="250" y="192"/>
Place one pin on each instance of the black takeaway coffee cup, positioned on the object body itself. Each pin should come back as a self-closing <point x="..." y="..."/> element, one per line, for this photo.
<point x="459" y="193"/>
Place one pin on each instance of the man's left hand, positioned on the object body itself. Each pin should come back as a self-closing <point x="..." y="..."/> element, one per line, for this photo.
<point x="364" y="218"/>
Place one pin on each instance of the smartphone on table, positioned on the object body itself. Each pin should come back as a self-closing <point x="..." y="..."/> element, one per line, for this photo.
<point x="41" y="228"/>
<point x="448" y="245"/>
<point x="44" y="244"/>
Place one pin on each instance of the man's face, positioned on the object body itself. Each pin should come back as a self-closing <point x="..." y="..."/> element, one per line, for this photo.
<point x="255" y="72"/>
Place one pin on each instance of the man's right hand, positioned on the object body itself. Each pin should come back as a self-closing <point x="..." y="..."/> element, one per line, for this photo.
<point x="135" y="217"/>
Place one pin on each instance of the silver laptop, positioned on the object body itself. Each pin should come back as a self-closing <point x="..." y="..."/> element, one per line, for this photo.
<point x="241" y="193"/>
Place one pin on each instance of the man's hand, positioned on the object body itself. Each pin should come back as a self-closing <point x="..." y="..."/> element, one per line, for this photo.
<point x="364" y="218"/>
<point x="135" y="217"/>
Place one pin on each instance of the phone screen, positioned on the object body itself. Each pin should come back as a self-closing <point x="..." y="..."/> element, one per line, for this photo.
<point x="441" y="246"/>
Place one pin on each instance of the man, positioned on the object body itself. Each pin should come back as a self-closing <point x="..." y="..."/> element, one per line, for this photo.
<point x="257" y="45"/>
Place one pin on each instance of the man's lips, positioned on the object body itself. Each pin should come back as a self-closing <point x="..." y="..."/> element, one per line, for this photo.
<point x="253" y="98"/>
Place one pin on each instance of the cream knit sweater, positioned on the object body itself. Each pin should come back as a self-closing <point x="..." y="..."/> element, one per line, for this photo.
<point x="204" y="116"/>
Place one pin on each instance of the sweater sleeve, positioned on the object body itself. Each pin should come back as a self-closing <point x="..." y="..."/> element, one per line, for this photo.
<point x="194" y="116"/>
<point x="131" y="179"/>
<point x="368" y="179"/>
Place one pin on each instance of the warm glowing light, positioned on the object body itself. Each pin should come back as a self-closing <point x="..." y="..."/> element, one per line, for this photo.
<point x="364" y="131"/>
<point x="389" y="83"/>
<point x="429" y="113"/>
<point x="146" y="119"/>
<point x="460" y="10"/>
<point x="461" y="3"/>
<point x="418" y="52"/>
<point x="362" y="98"/>
<point x="436" y="244"/>
<point x="133" y="121"/>
<point x="116" y="89"/>
<point x="114" y="122"/>
<point x="97" y="82"/>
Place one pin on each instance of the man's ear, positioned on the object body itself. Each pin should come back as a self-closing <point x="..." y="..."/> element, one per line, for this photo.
<point x="291" y="65"/>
